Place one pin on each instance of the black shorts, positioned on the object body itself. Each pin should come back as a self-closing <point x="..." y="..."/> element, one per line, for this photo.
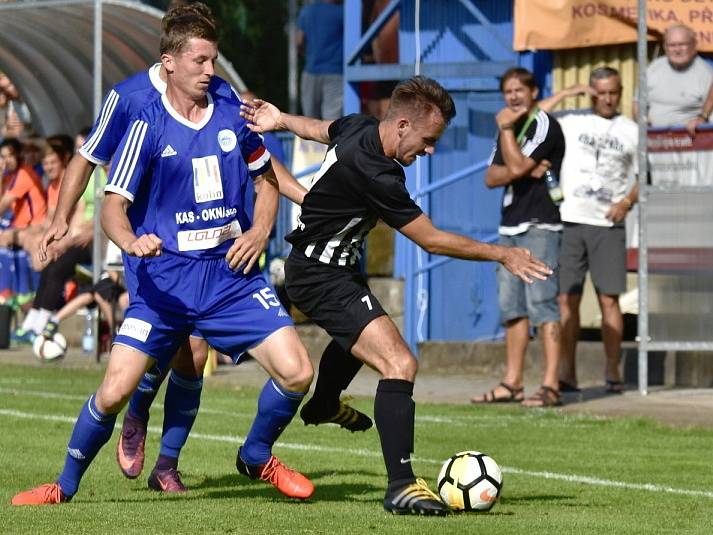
<point x="338" y="300"/>
<point x="107" y="288"/>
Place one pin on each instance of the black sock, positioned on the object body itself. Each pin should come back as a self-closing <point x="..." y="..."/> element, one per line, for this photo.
<point x="394" y="412"/>
<point x="164" y="462"/>
<point x="337" y="368"/>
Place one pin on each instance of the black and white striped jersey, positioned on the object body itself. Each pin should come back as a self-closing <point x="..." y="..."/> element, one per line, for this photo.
<point x="356" y="185"/>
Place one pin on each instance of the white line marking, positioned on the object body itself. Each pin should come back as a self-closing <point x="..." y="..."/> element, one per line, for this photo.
<point x="501" y="420"/>
<point x="76" y="397"/>
<point x="236" y="439"/>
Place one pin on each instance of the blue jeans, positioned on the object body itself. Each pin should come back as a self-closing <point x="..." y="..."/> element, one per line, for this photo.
<point x="536" y="301"/>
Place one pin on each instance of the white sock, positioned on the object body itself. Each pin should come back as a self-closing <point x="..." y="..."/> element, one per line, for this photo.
<point x="29" y="319"/>
<point x="43" y="315"/>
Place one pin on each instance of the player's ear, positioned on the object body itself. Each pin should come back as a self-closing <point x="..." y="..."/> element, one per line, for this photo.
<point x="167" y="61"/>
<point x="403" y="125"/>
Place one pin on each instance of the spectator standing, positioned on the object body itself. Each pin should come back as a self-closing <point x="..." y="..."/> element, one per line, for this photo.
<point x="529" y="145"/>
<point x="678" y="82"/>
<point x="320" y="37"/>
<point x="599" y="160"/>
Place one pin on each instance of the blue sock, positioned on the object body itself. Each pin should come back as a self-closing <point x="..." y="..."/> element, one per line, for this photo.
<point x="145" y="393"/>
<point x="183" y="397"/>
<point x="91" y="431"/>
<point x="275" y="409"/>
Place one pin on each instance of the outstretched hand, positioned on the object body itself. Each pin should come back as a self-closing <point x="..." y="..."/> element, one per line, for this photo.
<point x="261" y="115"/>
<point x="520" y="262"/>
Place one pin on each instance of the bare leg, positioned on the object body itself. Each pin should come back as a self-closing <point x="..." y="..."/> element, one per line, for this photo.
<point x="612" y="334"/>
<point x="75" y="304"/>
<point x="517" y="336"/>
<point x="569" y="314"/>
<point x="551" y="343"/>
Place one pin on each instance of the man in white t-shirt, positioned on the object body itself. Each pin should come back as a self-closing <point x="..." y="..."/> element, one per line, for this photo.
<point x="679" y="82"/>
<point x="599" y="161"/>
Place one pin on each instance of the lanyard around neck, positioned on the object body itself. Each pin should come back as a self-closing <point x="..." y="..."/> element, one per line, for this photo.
<point x="523" y="130"/>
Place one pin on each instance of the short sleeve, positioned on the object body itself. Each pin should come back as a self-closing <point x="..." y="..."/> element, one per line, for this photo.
<point x="109" y="127"/>
<point x="496" y="155"/>
<point x="135" y="152"/>
<point x="547" y="139"/>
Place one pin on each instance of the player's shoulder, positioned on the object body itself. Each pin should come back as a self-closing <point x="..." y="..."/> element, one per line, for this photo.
<point x="137" y="83"/>
<point x="220" y="88"/>
<point x="353" y="125"/>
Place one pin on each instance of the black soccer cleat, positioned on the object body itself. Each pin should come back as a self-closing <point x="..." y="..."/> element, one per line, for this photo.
<point x="346" y="416"/>
<point x="415" y="499"/>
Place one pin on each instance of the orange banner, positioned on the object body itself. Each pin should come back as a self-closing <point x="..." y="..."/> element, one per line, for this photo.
<point x="555" y="24"/>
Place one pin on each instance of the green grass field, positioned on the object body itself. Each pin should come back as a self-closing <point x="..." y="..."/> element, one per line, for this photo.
<point x="562" y="474"/>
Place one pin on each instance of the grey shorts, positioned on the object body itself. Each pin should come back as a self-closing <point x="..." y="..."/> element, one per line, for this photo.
<point x="536" y="301"/>
<point x="599" y="250"/>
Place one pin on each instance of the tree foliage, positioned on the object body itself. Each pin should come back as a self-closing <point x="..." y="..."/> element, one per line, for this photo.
<point x="252" y="36"/>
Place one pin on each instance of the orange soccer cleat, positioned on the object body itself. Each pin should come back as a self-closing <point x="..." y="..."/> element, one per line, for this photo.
<point x="130" y="448"/>
<point x="289" y="482"/>
<point x="47" y="494"/>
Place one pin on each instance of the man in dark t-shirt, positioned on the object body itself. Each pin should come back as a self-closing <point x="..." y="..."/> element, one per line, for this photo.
<point x="360" y="181"/>
<point x="526" y="161"/>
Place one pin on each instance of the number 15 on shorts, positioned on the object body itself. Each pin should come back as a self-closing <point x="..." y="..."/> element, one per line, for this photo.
<point x="266" y="298"/>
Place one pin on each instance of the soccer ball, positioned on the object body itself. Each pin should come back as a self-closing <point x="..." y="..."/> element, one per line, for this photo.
<point x="46" y="349"/>
<point x="470" y="481"/>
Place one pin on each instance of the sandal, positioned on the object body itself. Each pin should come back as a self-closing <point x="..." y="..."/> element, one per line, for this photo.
<point x="514" y="395"/>
<point x="614" y="387"/>
<point x="544" y="397"/>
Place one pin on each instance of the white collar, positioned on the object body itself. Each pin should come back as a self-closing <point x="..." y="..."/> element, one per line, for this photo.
<point x="181" y="119"/>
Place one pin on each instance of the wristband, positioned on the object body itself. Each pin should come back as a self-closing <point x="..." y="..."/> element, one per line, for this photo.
<point x="702" y="116"/>
<point x="507" y="126"/>
<point x="628" y="202"/>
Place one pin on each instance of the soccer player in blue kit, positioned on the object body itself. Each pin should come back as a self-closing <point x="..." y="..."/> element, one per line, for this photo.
<point x="175" y="204"/>
<point x="182" y="398"/>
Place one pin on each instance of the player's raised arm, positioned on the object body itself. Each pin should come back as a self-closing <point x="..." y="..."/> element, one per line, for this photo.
<point x="248" y="247"/>
<point x="516" y="260"/>
<point x="76" y="178"/>
<point x="264" y="117"/>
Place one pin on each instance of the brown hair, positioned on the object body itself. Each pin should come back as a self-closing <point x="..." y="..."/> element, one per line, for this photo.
<point x="421" y="95"/>
<point x="61" y="144"/>
<point x="185" y="22"/>
<point x="526" y="78"/>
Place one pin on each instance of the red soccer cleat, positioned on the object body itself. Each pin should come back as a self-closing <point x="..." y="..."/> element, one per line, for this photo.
<point x="289" y="482"/>
<point x="47" y="494"/>
<point x="130" y="448"/>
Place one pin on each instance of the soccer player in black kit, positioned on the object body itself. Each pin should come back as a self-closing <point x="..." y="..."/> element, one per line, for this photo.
<point x="362" y="180"/>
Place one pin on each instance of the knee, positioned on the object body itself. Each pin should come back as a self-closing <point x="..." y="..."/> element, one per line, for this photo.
<point x="299" y="375"/>
<point x="112" y="395"/>
<point x="403" y="366"/>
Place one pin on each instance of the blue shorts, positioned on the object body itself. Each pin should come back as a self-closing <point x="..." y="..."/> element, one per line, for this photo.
<point x="172" y="297"/>
<point x="536" y="301"/>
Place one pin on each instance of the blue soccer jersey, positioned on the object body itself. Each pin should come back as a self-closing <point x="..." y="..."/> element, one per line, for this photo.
<point x="123" y="103"/>
<point x="189" y="183"/>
